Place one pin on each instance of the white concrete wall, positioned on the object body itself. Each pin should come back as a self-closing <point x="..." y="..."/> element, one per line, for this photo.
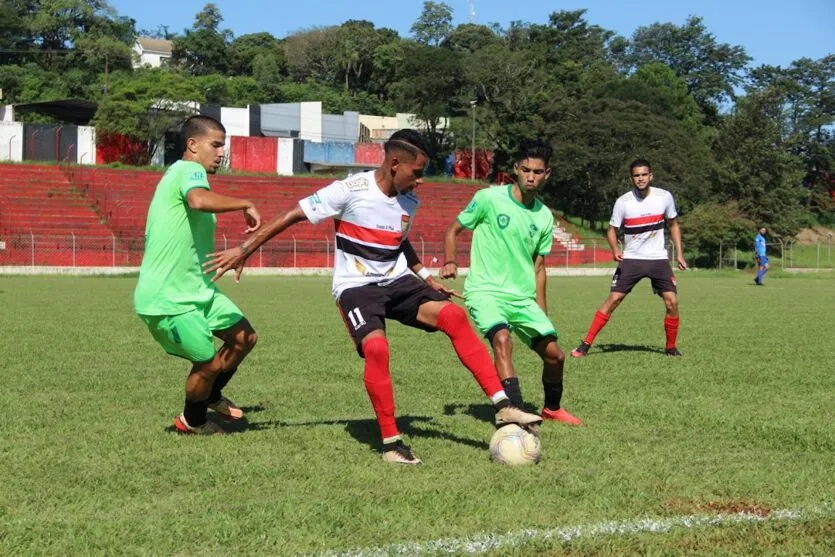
<point x="311" y="121"/>
<point x="86" y="151"/>
<point x="285" y="156"/>
<point x="235" y="120"/>
<point x="11" y="141"/>
<point x="7" y="113"/>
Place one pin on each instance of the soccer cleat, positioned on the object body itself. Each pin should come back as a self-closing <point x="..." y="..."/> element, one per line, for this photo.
<point x="227" y="409"/>
<point x="560" y="415"/>
<point x="672" y="351"/>
<point x="581" y="350"/>
<point x="399" y="453"/>
<point x="512" y="415"/>
<point x="209" y="428"/>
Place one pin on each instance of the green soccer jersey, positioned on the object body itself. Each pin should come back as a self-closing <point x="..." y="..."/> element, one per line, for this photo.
<point x="507" y="236"/>
<point x="177" y="240"/>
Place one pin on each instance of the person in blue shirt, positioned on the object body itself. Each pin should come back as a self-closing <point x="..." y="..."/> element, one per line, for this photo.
<point x="760" y="256"/>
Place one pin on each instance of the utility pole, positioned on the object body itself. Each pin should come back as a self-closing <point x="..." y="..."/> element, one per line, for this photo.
<point x="472" y="162"/>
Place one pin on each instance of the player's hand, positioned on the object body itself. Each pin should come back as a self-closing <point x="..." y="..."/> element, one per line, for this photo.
<point x="220" y="262"/>
<point x="448" y="271"/>
<point x="682" y="264"/>
<point x="252" y="218"/>
<point x="617" y="255"/>
<point x="435" y="285"/>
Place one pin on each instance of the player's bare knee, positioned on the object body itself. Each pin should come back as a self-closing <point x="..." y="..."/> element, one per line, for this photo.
<point x="250" y="339"/>
<point x="502" y="343"/>
<point x="553" y="355"/>
<point x="208" y="369"/>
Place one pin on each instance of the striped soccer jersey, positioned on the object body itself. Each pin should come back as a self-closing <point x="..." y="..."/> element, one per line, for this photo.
<point x="370" y="228"/>
<point x="643" y="222"/>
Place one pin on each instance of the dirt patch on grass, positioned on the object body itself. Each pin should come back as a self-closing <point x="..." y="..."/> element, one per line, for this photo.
<point x="682" y="506"/>
<point x="814" y="235"/>
<point x="736" y="507"/>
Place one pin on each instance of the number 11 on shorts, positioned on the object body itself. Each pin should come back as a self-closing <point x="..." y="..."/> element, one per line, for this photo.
<point x="356" y="318"/>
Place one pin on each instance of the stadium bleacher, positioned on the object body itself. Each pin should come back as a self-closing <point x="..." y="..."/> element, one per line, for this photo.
<point x="96" y="216"/>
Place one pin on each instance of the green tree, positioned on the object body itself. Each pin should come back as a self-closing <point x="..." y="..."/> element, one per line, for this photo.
<point x="469" y="38"/>
<point x="712" y="227"/>
<point x="146" y="104"/>
<point x="657" y="86"/>
<point x="804" y="106"/>
<point x="313" y="54"/>
<point x="356" y="41"/>
<point x="596" y="139"/>
<point x="756" y="168"/>
<point x="245" y="49"/>
<point x="434" y="23"/>
<point x="429" y="86"/>
<point x="204" y="49"/>
<point x="711" y="69"/>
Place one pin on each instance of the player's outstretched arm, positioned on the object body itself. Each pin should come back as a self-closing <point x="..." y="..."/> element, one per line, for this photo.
<point x="207" y="201"/>
<point x="675" y="235"/>
<point x="449" y="269"/>
<point x="612" y="238"/>
<point x="235" y="258"/>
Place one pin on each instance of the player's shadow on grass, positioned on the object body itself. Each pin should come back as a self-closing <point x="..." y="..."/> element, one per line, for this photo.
<point x="365" y="431"/>
<point x="628" y="348"/>
<point x="483" y="412"/>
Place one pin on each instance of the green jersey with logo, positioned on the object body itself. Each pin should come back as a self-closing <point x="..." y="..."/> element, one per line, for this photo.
<point x="177" y="241"/>
<point x="507" y="237"/>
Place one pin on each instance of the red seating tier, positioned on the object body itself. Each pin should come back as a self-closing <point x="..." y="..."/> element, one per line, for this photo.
<point x="111" y="204"/>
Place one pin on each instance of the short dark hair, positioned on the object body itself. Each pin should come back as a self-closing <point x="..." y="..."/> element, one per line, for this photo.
<point x="410" y="141"/>
<point x="639" y="162"/>
<point x="197" y="126"/>
<point x="534" y="149"/>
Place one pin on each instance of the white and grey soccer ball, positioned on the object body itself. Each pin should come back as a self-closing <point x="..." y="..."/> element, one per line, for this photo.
<point x="514" y="446"/>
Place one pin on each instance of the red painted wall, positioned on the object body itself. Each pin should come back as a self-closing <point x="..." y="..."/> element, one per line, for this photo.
<point x="254" y="154"/>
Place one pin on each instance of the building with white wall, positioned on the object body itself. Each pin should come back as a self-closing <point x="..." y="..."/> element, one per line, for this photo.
<point x="152" y="52"/>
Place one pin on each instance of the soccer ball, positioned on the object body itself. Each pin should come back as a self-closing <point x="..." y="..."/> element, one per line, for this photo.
<point x="515" y="446"/>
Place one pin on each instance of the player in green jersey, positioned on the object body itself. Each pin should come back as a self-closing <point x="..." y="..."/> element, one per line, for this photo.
<point x="181" y="307"/>
<point x="505" y="288"/>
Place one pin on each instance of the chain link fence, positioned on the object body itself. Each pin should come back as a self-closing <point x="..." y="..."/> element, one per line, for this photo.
<point x="74" y="250"/>
<point x="788" y="254"/>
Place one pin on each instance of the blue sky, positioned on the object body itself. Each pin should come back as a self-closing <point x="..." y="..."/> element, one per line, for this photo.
<point x="772" y="31"/>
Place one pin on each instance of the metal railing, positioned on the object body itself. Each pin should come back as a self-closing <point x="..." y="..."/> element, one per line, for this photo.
<point x="77" y="250"/>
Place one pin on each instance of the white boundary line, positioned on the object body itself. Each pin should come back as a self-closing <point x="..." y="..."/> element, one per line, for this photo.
<point x="482" y="543"/>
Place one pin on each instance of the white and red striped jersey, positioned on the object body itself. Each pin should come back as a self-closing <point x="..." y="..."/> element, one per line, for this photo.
<point x="370" y="228"/>
<point x="643" y="221"/>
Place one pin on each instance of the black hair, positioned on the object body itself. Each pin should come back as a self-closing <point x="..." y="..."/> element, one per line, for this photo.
<point x="407" y="140"/>
<point x="534" y="149"/>
<point x="639" y="162"/>
<point x="197" y="126"/>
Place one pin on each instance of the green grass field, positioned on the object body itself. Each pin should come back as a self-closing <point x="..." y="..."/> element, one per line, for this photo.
<point x="742" y="423"/>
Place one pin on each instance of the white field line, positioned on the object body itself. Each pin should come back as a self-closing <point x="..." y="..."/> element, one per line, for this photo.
<point x="484" y="542"/>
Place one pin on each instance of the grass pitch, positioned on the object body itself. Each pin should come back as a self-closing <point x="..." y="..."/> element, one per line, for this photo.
<point x="742" y="423"/>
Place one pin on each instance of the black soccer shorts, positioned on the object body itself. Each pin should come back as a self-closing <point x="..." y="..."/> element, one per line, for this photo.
<point x="366" y="308"/>
<point x="631" y="271"/>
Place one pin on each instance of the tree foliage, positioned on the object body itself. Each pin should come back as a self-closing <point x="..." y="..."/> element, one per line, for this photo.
<point x="737" y="144"/>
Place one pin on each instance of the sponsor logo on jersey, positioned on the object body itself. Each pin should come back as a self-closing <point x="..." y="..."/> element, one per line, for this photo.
<point x="471" y="207"/>
<point x="358" y="184"/>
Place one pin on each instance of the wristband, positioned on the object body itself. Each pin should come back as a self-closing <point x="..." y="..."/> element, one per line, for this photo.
<point x="424" y="273"/>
